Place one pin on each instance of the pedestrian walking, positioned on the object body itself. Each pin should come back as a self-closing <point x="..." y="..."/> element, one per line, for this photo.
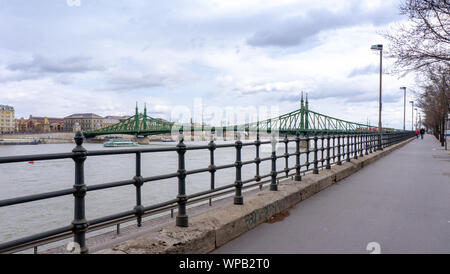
<point x="422" y="132"/>
<point x="417" y="133"/>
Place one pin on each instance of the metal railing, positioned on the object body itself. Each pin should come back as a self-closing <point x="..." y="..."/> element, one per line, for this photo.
<point x="321" y="151"/>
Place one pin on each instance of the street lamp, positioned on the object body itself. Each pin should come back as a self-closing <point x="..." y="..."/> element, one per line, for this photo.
<point x="379" y="47"/>
<point x="412" y="115"/>
<point x="404" y="106"/>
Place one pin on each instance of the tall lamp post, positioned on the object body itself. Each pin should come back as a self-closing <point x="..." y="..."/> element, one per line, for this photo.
<point x="404" y="106"/>
<point x="416" y="123"/>
<point x="379" y="47"/>
<point x="412" y="115"/>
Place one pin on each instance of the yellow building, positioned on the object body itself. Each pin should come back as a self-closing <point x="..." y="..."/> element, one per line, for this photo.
<point x="7" y="122"/>
<point x="39" y="124"/>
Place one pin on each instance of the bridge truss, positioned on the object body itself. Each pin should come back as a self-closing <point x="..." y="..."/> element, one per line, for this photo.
<point x="301" y="120"/>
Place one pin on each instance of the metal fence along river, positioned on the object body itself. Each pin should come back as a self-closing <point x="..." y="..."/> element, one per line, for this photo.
<point x="320" y="152"/>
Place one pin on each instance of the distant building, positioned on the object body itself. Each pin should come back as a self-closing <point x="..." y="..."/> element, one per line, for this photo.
<point x="162" y="120"/>
<point x="85" y="121"/>
<point x="39" y="124"/>
<point x="120" y="118"/>
<point x="109" y="122"/>
<point x="7" y="123"/>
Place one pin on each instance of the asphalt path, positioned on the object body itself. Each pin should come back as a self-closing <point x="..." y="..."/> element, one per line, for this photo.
<point x="398" y="204"/>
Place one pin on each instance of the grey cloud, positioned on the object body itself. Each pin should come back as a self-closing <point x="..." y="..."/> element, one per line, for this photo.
<point x="136" y="82"/>
<point x="42" y="64"/>
<point x="373" y="97"/>
<point x="294" y="31"/>
<point x="351" y="94"/>
<point x="369" y="69"/>
<point x="18" y="77"/>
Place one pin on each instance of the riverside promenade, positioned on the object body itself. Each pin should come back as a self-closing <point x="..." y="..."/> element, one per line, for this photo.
<point x="400" y="204"/>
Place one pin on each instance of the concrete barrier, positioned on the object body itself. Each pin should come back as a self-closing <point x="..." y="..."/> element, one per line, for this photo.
<point x="216" y="227"/>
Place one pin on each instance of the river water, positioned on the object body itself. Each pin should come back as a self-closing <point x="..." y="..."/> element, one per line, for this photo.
<point x="20" y="179"/>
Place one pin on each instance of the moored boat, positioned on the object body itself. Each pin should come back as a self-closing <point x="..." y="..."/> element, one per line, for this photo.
<point x="120" y="143"/>
<point x="19" y="142"/>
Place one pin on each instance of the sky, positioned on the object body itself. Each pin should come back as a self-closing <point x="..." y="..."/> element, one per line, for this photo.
<point x="59" y="57"/>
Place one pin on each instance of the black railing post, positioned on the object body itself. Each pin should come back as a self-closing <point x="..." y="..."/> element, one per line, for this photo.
<point x="182" y="218"/>
<point x="334" y="147"/>
<point x="361" y="147"/>
<point x="380" y="141"/>
<point x="348" y="148"/>
<point x="238" y="198"/>
<point x="358" y="145"/>
<point x="328" y="152"/>
<point x="339" y="150"/>
<point x="138" y="182"/>
<point x="307" y="151"/>
<point x="316" y="169"/>
<point x="212" y="167"/>
<point x="322" y="150"/>
<point x="257" y="159"/>
<point x="366" y="140"/>
<point x="374" y="147"/>
<point x="273" y="183"/>
<point x="286" y="155"/>
<point x="297" y="177"/>
<point x="355" y="146"/>
<point x="80" y="224"/>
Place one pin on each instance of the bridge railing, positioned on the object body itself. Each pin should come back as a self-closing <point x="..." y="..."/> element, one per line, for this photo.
<point x="320" y="151"/>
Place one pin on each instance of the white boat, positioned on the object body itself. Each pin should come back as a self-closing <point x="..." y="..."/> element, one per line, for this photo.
<point x="120" y="143"/>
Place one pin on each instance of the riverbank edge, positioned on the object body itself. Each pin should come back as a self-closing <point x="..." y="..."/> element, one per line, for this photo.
<point x="212" y="229"/>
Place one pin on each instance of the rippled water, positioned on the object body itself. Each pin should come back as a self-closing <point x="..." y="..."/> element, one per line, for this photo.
<point x="20" y="179"/>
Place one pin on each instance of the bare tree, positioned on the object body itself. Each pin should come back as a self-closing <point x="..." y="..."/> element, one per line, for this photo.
<point x="425" y="41"/>
<point x="422" y="46"/>
<point x="435" y="101"/>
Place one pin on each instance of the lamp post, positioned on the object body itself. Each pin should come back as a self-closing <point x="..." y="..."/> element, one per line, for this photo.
<point x="379" y="47"/>
<point x="412" y="115"/>
<point x="415" y="123"/>
<point x="404" y="106"/>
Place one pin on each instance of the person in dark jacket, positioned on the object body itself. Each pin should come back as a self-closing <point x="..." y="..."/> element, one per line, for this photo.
<point x="422" y="132"/>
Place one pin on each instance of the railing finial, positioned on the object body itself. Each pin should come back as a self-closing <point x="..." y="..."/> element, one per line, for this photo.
<point x="79" y="138"/>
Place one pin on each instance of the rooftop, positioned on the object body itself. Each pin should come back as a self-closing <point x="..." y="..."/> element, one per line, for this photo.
<point x="5" y="107"/>
<point x="83" y="116"/>
<point x="42" y="118"/>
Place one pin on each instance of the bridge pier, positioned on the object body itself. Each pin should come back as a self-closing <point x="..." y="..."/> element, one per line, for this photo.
<point x="142" y="140"/>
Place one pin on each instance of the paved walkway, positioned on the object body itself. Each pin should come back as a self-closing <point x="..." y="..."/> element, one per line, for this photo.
<point x="401" y="202"/>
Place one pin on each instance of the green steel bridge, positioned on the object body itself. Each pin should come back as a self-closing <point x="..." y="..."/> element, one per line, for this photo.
<point x="301" y="120"/>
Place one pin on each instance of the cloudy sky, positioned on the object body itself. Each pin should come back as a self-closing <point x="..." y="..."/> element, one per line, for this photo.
<point x="59" y="57"/>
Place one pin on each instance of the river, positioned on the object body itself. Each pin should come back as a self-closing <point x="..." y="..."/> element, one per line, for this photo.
<point x="20" y="179"/>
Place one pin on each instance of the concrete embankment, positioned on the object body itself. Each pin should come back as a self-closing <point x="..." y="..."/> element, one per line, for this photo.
<point x="45" y="138"/>
<point x="211" y="229"/>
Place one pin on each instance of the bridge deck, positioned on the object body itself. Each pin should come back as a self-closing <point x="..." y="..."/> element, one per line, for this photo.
<point x="400" y="201"/>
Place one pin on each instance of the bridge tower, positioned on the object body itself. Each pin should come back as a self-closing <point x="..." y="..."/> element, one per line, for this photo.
<point x="306" y="113"/>
<point x="302" y="113"/>
<point x="136" y="120"/>
<point x="144" y="118"/>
